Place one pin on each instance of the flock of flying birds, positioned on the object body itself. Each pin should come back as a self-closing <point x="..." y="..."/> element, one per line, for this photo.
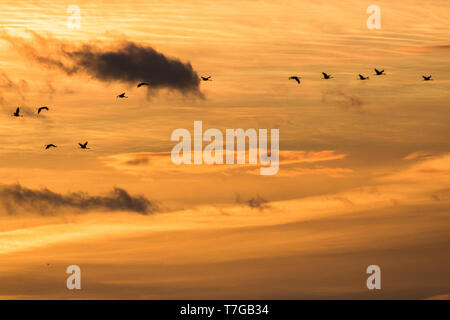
<point x="208" y="78"/>
<point x="82" y="145"/>
<point x="361" y="77"/>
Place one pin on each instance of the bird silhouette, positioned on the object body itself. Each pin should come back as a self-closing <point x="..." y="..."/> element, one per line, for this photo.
<point x="122" y="95"/>
<point x="142" y="84"/>
<point x="361" y="77"/>
<point x="84" y="145"/>
<point x="378" y="72"/>
<point x="326" y="76"/>
<point x="295" y="78"/>
<point x="42" y="108"/>
<point x="208" y="78"/>
<point x="50" y="146"/>
<point x="17" y="113"/>
<point x="425" y="78"/>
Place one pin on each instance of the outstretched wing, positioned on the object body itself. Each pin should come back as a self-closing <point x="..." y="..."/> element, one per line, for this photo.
<point x="18" y="110"/>
<point x="377" y="71"/>
<point x="295" y="78"/>
<point x="324" y="74"/>
<point x="42" y="108"/>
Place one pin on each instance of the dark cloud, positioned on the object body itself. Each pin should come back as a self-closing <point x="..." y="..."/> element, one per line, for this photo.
<point x="127" y="62"/>
<point x="257" y="202"/>
<point x="15" y="199"/>
<point x="137" y="162"/>
<point x="344" y="100"/>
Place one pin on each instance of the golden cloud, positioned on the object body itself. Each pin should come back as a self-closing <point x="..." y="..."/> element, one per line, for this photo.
<point x="161" y="163"/>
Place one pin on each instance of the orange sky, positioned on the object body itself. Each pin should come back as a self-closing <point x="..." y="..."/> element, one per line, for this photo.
<point x="364" y="165"/>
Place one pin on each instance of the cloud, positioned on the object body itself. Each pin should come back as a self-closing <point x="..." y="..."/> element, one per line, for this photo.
<point x="16" y="199"/>
<point x="346" y="101"/>
<point x="161" y="163"/>
<point x="7" y="85"/>
<point x="21" y="87"/>
<point x="429" y="48"/>
<point x="257" y="202"/>
<point x="125" y="61"/>
<point x="417" y="155"/>
<point x="319" y="170"/>
<point x="431" y="170"/>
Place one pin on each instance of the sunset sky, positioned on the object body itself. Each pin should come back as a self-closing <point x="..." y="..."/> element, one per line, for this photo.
<point x="364" y="172"/>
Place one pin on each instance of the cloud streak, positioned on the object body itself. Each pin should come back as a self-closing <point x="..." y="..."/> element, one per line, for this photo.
<point x="160" y="162"/>
<point x="344" y="100"/>
<point x="256" y="202"/>
<point x="15" y="199"/>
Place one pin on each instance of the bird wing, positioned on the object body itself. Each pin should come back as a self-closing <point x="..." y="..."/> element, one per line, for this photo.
<point x="18" y="110"/>
<point x="376" y="70"/>
<point x="324" y="74"/>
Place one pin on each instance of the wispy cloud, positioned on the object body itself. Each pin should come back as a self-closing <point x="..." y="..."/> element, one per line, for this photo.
<point x="160" y="162"/>
<point x="15" y="199"/>
<point x="430" y="48"/>
<point x="343" y="99"/>
<point x="256" y="202"/>
<point x="417" y="155"/>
